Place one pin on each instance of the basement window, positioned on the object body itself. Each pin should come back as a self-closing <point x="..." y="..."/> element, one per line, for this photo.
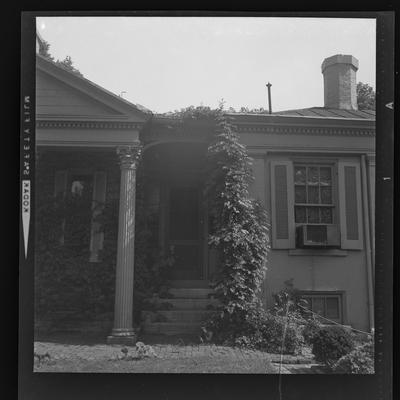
<point x="327" y="305"/>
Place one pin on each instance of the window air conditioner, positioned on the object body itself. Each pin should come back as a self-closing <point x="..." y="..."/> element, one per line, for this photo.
<point x="317" y="236"/>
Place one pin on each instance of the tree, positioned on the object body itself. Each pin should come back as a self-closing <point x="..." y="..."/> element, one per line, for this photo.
<point x="68" y="64"/>
<point x="365" y="96"/>
<point x="44" y="50"/>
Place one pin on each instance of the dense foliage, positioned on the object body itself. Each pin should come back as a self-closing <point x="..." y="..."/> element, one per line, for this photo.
<point x="365" y="96"/>
<point x="269" y="332"/>
<point x="205" y="112"/>
<point x="239" y="231"/>
<point x="331" y="343"/>
<point x="66" y="63"/>
<point x="358" y="361"/>
<point x="151" y="266"/>
<point x="65" y="280"/>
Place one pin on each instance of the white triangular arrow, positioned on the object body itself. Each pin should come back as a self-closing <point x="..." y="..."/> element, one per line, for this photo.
<point x="26" y="212"/>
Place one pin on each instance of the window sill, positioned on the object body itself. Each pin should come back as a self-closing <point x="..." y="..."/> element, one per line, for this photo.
<point x="318" y="252"/>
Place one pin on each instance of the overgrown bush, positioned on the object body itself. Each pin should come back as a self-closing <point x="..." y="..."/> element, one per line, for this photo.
<point x="272" y="333"/>
<point x="152" y="268"/>
<point x="260" y="330"/>
<point x="289" y="303"/>
<point x="331" y="343"/>
<point x="358" y="361"/>
<point x="310" y="328"/>
<point x="66" y="283"/>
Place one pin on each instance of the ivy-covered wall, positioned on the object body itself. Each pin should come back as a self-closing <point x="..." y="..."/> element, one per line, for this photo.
<point x="70" y="290"/>
<point x="68" y="287"/>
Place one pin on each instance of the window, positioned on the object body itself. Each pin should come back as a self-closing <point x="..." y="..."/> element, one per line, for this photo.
<point x="316" y="203"/>
<point x="326" y="305"/>
<point x="84" y="193"/>
<point x="313" y="194"/>
<point x="79" y="201"/>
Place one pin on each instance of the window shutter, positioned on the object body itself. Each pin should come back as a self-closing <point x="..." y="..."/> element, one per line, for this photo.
<point x="282" y="205"/>
<point x="60" y="183"/>
<point x="350" y="205"/>
<point x="99" y="197"/>
<point x="60" y="189"/>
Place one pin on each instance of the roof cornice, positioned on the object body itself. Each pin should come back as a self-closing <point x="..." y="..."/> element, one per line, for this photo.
<point x="88" y="125"/>
<point x="305" y="130"/>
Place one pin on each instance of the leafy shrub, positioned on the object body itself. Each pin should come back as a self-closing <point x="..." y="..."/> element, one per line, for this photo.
<point x="288" y="302"/>
<point x="310" y="329"/>
<point x="259" y="329"/>
<point x="331" y="343"/>
<point x="272" y="332"/>
<point x="358" y="361"/>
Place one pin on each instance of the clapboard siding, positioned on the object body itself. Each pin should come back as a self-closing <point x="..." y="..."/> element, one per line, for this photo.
<point x="54" y="97"/>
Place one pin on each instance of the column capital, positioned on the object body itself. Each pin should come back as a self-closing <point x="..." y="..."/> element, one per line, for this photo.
<point x="371" y="159"/>
<point x="129" y="156"/>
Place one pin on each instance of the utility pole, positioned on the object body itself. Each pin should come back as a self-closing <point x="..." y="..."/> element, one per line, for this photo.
<point x="269" y="97"/>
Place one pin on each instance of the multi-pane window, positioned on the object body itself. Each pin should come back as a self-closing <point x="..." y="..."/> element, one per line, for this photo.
<point x="313" y="193"/>
<point x="328" y="306"/>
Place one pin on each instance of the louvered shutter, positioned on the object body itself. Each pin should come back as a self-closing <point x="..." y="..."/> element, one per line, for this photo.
<point x="282" y="205"/>
<point x="60" y="189"/>
<point x="99" y="197"/>
<point x="60" y="183"/>
<point x="350" y="205"/>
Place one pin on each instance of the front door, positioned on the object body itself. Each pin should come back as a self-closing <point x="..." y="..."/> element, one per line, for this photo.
<point x="185" y="231"/>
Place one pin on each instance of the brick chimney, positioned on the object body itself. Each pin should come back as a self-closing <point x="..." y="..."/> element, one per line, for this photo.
<point x="340" y="82"/>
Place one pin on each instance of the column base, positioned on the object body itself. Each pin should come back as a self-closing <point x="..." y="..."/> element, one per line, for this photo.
<point x="126" y="337"/>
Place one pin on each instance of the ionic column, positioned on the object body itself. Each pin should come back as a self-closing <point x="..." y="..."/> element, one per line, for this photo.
<point x="123" y="332"/>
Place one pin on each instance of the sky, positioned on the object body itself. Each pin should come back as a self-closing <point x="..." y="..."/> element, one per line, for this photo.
<point x="168" y="63"/>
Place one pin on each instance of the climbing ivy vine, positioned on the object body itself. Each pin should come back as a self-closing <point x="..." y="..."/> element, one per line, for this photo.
<point x="239" y="231"/>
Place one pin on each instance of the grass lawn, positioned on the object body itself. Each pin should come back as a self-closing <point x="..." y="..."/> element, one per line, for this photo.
<point x="71" y="355"/>
<point x="159" y="354"/>
<point x="199" y="364"/>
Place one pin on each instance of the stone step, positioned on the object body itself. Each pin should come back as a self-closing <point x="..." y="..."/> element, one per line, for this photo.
<point x="171" y="328"/>
<point x="189" y="283"/>
<point x="191" y="339"/>
<point x="183" y="316"/>
<point x="191" y="293"/>
<point x="190" y="304"/>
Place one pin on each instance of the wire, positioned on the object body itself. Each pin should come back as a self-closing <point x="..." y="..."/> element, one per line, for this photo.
<point x="334" y="322"/>
<point x="284" y="337"/>
<point x="281" y="355"/>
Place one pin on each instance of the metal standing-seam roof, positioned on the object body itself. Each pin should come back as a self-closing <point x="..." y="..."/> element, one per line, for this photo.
<point x="329" y="113"/>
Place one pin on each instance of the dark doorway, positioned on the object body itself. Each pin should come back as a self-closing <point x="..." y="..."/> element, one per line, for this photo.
<point x="184" y="231"/>
<point x="178" y="170"/>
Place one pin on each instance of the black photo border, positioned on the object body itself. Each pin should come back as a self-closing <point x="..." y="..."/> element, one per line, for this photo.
<point x="208" y="386"/>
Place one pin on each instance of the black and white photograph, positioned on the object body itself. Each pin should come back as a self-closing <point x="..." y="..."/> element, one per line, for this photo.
<point x="204" y="195"/>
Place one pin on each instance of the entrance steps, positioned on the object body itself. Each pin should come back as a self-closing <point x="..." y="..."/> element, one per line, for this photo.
<point x="180" y="315"/>
<point x="191" y="293"/>
<point x="183" y="313"/>
<point x="190" y="304"/>
<point x="190" y="283"/>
